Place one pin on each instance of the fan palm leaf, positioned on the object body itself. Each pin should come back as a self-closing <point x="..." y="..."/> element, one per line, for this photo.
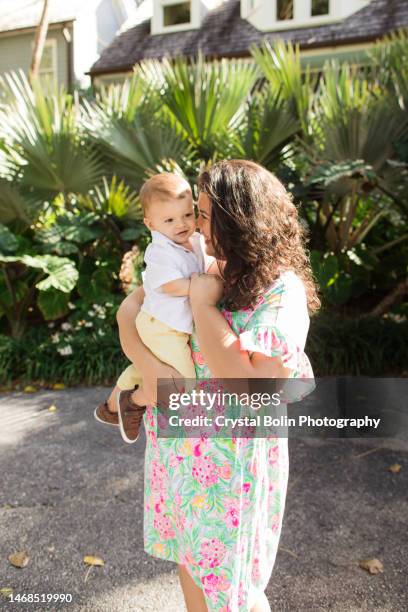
<point x="269" y="127"/>
<point x="205" y="98"/>
<point x="281" y="65"/>
<point x="43" y="143"/>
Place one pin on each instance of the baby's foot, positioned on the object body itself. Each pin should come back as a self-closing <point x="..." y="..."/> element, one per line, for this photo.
<point x="104" y="414"/>
<point x="130" y="416"/>
<point x="138" y="397"/>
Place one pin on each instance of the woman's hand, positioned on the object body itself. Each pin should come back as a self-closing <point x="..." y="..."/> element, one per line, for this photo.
<point x="205" y="289"/>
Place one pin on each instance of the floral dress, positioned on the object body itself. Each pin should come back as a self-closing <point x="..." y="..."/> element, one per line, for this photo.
<point x="216" y="505"/>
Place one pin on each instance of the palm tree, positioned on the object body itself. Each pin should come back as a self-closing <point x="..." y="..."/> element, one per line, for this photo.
<point x="356" y="128"/>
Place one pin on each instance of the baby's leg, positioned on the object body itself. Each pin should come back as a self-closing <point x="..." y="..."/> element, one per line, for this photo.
<point x="167" y="344"/>
<point x="139" y="398"/>
<point x="112" y="399"/>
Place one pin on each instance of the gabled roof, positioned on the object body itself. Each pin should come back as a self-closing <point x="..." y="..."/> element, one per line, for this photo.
<point x="20" y="14"/>
<point x="224" y="34"/>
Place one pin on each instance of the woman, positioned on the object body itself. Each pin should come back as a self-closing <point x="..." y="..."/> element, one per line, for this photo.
<point x="215" y="506"/>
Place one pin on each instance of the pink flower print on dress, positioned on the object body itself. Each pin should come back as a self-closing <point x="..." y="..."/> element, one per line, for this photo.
<point x="256" y="574"/>
<point x="228" y="316"/>
<point x="273" y="454"/>
<point x="158" y="477"/>
<point x="149" y="416"/>
<point x="212" y="553"/>
<point x="231" y="512"/>
<point x="225" y="470"/>
<point x="187" y="559"/>
<point x="158" y="507"/>
<point x="213" y="584"/>
<point x="152" y="437"/>
<point x="275" y="522"/>
<point x="205" y="471"/>
<point x="162" y="421"/>
<point x="163" y="525"/>
<point x="180" y="520"/>
<point x="241" y="595"/>
<point x="175" y="460"/>
<point x="198" y="358"/>
<point x="253" y="468"/>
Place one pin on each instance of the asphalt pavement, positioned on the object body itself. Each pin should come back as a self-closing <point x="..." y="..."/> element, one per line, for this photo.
<point x="69" y="487"/>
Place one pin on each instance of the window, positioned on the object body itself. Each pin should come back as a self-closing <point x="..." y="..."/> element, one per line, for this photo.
<point x="48" y="67"/>
<point x="176" y="14"/>
<point x="284" y="10"/>
<point x="320" y="7"/>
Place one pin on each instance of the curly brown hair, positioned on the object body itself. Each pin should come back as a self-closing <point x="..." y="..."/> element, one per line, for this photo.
<point x="255" y="228"/>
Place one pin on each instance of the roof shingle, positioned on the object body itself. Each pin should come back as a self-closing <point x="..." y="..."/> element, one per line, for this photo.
<point x="224" y="34"/>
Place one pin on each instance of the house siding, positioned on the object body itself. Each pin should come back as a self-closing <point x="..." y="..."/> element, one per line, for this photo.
<point x="16" y="52"/>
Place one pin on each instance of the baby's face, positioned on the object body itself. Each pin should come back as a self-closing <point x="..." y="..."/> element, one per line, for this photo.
<point x="172" y="217"/>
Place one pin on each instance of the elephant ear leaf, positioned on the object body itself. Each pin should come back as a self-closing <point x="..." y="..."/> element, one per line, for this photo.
<point x="53" y="304"/>
<point x="61" y="273"/>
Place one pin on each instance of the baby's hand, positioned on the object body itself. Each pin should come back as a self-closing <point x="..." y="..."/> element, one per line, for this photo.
<point x="205" y="289"/>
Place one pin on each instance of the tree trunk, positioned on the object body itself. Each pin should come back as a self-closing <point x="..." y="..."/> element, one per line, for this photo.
<point x="394" y="296"/>
<point x="39" y="41"/>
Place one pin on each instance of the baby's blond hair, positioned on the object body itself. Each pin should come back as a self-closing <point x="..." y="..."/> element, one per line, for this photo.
<point x="165" y="185"/>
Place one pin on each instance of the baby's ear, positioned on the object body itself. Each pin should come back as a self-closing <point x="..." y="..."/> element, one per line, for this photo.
<point x="148" y="223"/>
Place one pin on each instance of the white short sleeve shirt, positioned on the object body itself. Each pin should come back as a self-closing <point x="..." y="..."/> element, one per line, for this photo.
<point x="167" y="261"/>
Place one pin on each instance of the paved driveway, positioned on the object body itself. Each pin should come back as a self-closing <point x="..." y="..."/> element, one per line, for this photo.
<point x="69" y="487"/>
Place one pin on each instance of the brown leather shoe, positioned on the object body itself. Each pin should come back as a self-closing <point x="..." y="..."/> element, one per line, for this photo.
<point x="104" y="415"/>
<point x="130" y="416"/>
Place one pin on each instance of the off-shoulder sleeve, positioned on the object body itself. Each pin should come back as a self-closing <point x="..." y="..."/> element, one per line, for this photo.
<point x="278" y="328"/>
<point x="272" y="342"/>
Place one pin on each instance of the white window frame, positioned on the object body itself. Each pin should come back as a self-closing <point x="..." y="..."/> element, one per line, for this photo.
<point x="179" y="27"/>
<point x="302" y="15"/>
<point x="51" y="42"/>
<point x="262" y="13"/>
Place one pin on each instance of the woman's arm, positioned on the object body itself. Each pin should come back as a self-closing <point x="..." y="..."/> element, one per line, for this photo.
<point x="149" y="366"/>
<point x="219" y="344"/>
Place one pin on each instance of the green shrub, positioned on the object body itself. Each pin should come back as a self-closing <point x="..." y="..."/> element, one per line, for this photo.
<point x="367" y="346"/>
<point x="76" y="353"/>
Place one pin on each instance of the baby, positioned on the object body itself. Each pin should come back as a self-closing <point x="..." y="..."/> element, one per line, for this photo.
<point x="165" y="320"/>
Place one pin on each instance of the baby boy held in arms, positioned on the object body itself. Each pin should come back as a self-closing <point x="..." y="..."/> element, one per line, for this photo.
<point x="165" y="320"/>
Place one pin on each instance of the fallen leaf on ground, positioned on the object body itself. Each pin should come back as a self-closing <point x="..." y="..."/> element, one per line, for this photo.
<point x="395" y="468"/>
<point x="90" y="560"/>
<point x="52" y="408"/>
<point x="373" y="566"/>
<point x="58" y="386"/>
<point x="19" y="559"/>
<point x="29" y="389"/>
<point x="6" y="592"/>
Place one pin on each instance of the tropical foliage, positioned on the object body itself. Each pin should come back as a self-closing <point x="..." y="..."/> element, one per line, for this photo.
<point x="71" y="169"/>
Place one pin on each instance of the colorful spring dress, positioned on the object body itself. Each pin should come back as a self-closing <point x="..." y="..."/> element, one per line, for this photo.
<point x="216" y="505"/>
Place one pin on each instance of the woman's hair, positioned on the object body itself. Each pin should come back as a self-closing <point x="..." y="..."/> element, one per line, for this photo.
<point x="255" y="228"/>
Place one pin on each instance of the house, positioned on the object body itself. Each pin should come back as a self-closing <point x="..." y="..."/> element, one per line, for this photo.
<point x="78" y="31"/>
<point x="228" y="28"/>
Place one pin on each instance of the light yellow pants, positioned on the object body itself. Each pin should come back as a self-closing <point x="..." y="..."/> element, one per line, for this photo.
<point x="167" y="344"/>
